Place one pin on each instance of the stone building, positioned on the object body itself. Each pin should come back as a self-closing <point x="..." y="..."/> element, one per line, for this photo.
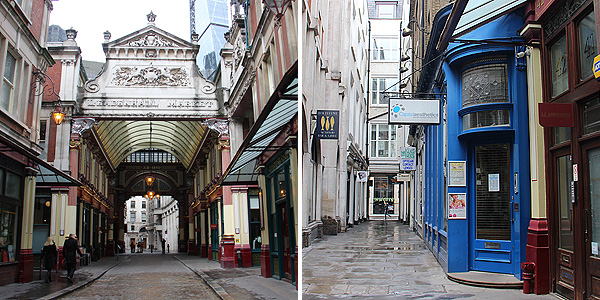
<point x="334" y="81"/>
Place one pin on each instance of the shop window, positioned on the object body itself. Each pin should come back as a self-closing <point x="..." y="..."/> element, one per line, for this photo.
<point x="383" y="195"/>
<point x="42" y="210"/>
<point x="486" y="118"/>
<point x="484" y="84"/>
<point x="8" y="227"/>
<point x="587" y="45"/>
<point x="13" y="185"/>
<point x="564" y="170"/>
<point x="254" y="204"/>
<point x="383" y="140"/>
<point x="562" y="135"/>
<point x="385" y="48"/>
<point x="379" y="86"/>
<point x="8" y="84"/>
<point x="559" y="66"/>
<point x="591" y="116"/>
<point x="594" y="160"/>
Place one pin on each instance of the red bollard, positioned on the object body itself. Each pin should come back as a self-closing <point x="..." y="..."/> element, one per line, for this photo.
<point x="528" y="275"/>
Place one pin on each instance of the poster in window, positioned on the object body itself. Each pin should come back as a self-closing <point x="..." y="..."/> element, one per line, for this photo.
<point x="457" y="206"/>
<point x="493" y="182"/>
<point x="457" y="173"/>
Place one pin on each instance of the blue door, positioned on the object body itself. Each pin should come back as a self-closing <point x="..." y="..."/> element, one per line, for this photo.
<point x="491" y="245"/>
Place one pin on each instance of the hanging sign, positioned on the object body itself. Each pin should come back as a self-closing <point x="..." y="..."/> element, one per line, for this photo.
<point x="457" y="173"/>
<point x="414" y="111"/>
<point x="362" y="176"/>
<point x="407" y="158"/>
<point x="597" y="67"/>
<point x="457" y="206"/>
<point x="327" y="124"/>
<point x="556" y="114"/>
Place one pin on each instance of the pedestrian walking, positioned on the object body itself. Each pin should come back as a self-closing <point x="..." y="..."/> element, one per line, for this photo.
<point x="168" y="248"/>
<point x="163" y="245"/>
<point x="132" y="245"/>
<point x="70" y="251"/>
<point x="49" y="255"/>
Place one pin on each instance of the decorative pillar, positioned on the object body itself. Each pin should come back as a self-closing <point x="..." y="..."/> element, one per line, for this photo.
<point x="26" y="253"/>
<point x="265" y="251"/>
<point x="191" y="249"/>
<point x="203" y="231"/>
<point x="227" y="251"/>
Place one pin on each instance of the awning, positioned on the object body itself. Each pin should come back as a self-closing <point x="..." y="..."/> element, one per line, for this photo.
<point x="48" y="175"/>
<point x="278" y="112"/>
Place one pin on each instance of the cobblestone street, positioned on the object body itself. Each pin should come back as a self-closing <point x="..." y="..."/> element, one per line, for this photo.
<point x="377" y="260"/>
<point x="147" y="277"/>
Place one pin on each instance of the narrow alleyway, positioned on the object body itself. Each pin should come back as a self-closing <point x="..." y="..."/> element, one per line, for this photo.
<point x="377" y="260"/>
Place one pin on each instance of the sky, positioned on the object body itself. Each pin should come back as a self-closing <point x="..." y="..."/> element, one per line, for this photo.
<point x="91" y="18"/>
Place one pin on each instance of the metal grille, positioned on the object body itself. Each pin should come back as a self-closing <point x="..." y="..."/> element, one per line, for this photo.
<point x="492" y="207"/>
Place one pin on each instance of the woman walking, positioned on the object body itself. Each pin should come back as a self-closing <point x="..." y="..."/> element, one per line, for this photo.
<point x="49" y="254"/>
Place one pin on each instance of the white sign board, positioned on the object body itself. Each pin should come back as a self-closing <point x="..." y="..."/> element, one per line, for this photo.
<point x="493" y="182"/>
<point x="457" y="206"/>
<point x="414" y="111"/>
<point x="362" y="176"/>
<point x="458" y="173"/>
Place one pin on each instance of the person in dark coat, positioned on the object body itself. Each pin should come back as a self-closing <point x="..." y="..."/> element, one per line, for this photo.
<point x="70" y="251"/>
<point x="49" y="254"/>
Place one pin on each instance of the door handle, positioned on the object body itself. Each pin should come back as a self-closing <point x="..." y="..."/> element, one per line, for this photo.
<point x="511" y="211"/>
<point x="585" y="225"/>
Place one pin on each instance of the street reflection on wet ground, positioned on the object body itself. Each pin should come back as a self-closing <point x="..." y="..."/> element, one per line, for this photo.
<point x="383" y="260"/>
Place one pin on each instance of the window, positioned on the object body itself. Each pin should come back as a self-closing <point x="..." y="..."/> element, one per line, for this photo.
<point x="8" y="83"/>
<point x="143" y="204"/>
<point x="8" y="231"/>
<point x="132" y="203"/>
<point x="587" y="45"/>
<point x="385" y="48"/>
<point x="561" y="135"/>
<point x="254" y="205"/>
<point x="591" y="116"/>
<point x="379" y="85"/>
<point x="383" y="140"/>
<point x="559" y="66"/>
<point x="143" y="217"/>
<point x="386" y="10"/>
<point x="484" y="84"/>
<point x="383" y="195"/>
<point x="132" y="227"/>
<point x="486" y="118"/>
<point x="132" y="217"/>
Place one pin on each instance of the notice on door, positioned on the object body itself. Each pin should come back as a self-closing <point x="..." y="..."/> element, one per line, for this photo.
<point x="457" y="206"/>
<point x="493" y="182"/>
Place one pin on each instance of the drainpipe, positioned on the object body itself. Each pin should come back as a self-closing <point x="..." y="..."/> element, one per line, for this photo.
<point x="366" y="191"/>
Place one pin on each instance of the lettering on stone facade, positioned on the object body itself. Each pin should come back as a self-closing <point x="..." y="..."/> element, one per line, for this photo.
<point x="151" y="40"/>
<point x="190" y="103"/>
<point x="123" y="103"/>
<point x="150" y="76"/>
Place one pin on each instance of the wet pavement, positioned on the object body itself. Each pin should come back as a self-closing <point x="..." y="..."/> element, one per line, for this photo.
<point x="384" y="260"/>
<point x="154" y="276"/>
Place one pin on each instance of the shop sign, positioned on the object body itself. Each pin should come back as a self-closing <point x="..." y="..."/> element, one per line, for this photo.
<point x="362" y="176"/>
<point x="414" y="111"/>
<point x="597" y="67"/>
<point x="328" y="124"/>
<point x="556" y="114"/>
<point x="407" y="158"/>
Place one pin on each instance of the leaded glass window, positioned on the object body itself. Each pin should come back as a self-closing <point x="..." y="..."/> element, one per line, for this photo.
<point x="587" y="45"/>
<point x="559" y="66"/>
<point x="484" y="84"/>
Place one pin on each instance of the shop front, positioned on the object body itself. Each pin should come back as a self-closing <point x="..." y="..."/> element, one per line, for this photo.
<point x="568" y="48"/>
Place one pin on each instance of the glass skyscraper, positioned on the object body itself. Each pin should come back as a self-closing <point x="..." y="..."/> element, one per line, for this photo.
<point x="212" y="22"/>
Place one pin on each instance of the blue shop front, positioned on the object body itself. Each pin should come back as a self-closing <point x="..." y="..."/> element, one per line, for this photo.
<point x="476" y="163"/>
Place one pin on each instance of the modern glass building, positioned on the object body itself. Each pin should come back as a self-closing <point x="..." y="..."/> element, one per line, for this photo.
<point x="211" y="23"/>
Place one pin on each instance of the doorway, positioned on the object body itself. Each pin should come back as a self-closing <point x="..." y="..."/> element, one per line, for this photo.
<point x="491" y="245"/>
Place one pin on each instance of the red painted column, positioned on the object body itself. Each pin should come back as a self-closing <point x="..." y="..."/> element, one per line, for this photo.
<point x="265" y="261"/>
<point x="246" y="256"/>
<point x="538" y="252"/>
<point x="227" y="252"/>
<point x="25" y="265"/>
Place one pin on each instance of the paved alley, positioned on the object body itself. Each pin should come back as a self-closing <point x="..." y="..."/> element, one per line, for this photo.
<point x="377" y="260"/>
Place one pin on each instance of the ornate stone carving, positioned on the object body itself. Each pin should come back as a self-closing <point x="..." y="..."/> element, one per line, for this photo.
<point x="91" y="86"/>
<point x="82" y="124"/>
<point x="151" y="40"/>
<point x="219" y="125"/>
<point x="73" y="144"/>
<point x="150" y="76"/>
<point x="564" y="13"/>
<point x="209" y="88"/>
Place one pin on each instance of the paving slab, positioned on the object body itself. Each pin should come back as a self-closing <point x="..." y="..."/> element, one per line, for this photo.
<point x="377" y="260"/>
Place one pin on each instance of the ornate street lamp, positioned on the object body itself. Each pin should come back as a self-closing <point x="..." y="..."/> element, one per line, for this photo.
<point x="57" y="114"/>
<point x="277" y="6"/>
